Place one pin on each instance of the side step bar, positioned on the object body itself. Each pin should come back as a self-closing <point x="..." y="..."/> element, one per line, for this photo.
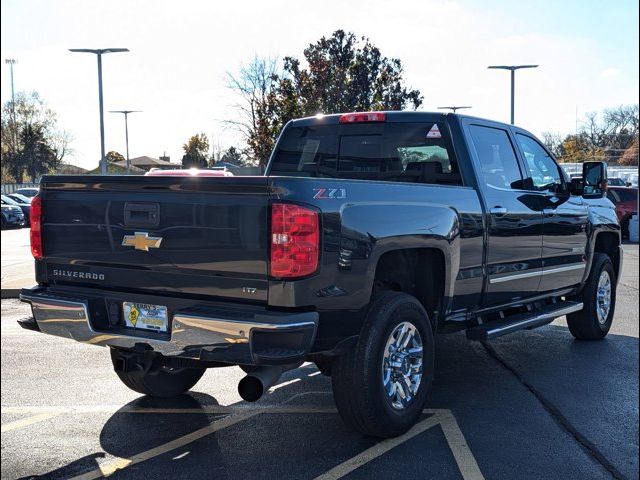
<point x="523" y="321"/>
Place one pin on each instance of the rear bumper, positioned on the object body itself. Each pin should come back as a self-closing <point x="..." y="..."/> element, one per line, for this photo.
<point x="209" y="332"/>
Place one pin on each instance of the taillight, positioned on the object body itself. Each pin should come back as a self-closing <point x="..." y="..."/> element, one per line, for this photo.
<point x="362" y="117"/>
<point x="36" y="227"/>
<point x="295" y="241"/>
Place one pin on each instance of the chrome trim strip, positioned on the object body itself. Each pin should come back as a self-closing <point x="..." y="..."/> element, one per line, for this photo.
<point x="517" y="276"/>
<point x="576" y="266"/>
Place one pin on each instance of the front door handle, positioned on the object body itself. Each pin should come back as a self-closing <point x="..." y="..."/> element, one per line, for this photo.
<point x="498" y="211"/>
<point x="549" y="212"/>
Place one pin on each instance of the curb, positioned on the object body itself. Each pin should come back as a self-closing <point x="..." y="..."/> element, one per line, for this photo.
<point x="10" y="293"/>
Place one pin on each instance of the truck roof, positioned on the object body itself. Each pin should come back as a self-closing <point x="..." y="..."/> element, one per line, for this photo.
<point x="391" y="116"/>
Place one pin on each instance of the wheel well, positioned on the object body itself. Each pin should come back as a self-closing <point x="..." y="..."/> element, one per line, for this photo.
<point x="419" y="272"/>
<point x="607" y="243"/>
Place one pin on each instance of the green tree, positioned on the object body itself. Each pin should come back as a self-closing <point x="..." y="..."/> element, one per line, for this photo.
<point x="32" y="144"/>
<point x="339" y="73"/>
<point x="196" y="152"/>
<point x="233" y="156"/>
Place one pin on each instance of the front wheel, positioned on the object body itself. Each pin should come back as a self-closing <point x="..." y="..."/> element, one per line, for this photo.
<point x="380" y="387"/>
<point x="160" y="380"/>
<point x="599" y="297"/>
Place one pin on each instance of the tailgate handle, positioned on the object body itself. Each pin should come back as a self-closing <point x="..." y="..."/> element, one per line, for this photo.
<point x="141" y="214"/>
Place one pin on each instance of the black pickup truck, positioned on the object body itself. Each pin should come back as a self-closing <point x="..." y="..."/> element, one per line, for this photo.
<point x="369" y="233"/>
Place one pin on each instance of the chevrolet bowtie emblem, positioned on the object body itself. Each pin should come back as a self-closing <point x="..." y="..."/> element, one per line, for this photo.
<point x="141" y="241"/>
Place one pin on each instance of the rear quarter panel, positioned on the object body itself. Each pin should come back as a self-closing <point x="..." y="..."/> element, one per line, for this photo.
<point x="363" y="220"/>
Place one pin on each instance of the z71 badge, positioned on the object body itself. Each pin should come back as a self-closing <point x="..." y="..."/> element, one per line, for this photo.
<point x="323" y="193"/>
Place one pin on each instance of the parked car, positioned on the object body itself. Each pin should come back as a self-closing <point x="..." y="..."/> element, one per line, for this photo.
<point x="625" y="200"/>
<point x="18" y="197"/>
<point x="189" y="172"/>
<point x="12" y="216"/>
<point x="616" y="182"/>
<point x="368" y="234"/>
<point x="27" y="191"/>
<point x="25" y="207"/>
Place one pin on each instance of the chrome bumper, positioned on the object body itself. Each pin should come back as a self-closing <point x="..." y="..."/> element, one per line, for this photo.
<point x="205" y="333"/>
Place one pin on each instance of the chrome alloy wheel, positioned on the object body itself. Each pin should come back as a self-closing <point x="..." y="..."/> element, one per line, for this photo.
<point x="402" y="365"/>
<point x="603" y="297"/>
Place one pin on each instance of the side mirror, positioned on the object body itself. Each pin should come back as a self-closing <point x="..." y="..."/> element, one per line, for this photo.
<point x="594" y="176"/>
<point x="576" y="186"/>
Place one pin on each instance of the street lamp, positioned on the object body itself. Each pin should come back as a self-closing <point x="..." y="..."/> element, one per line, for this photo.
<point x="11" y="62"/>
<point x="99" y="52"/>
<point x="512" y="69"/>
<point x="126" y="129"/>
<point x="454" y="108"/>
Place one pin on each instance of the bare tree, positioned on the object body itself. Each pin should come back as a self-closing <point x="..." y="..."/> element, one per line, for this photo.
<point x="553" y="141"/>
<point x="252" y="83"/>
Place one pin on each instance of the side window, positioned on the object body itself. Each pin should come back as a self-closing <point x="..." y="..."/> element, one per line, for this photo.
<point x="545" y="173"/>
<point x="497" y="158"/>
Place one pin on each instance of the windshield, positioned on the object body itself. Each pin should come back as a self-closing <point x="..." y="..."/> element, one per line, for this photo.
<point x="410" y="152"/>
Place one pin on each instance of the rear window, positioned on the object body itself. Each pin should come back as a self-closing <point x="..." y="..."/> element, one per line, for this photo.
<point x="400" y="152"/>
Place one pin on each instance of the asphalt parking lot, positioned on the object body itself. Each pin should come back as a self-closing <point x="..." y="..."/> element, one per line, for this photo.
<point x="536" y="404"/>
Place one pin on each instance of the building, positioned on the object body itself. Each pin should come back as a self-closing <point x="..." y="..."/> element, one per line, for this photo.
<point x="147" y="163"/>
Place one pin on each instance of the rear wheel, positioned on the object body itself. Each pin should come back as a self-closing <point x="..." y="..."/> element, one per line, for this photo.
<point x="381" y="385"/>
<point x="159" y="380"/>
<point x="599" y="297"/>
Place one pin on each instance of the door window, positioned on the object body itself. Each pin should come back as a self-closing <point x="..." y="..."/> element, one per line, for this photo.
<point x="497" y="158"/>
<point x="545" y="173"/>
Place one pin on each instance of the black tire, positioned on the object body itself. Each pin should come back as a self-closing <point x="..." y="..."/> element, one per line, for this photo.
<point x="160" y="381"/>
<point x="356" y="376"/>
<point x="585" y="325"/>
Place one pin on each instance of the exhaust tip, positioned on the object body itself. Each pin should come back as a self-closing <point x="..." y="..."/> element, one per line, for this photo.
<point x="250" y="388"/>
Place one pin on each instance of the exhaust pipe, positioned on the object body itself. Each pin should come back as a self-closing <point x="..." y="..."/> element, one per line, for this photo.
<point x="259" y="380"/>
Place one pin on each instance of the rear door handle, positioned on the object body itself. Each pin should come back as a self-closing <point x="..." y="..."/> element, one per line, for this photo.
<point x="498" y="211"/>
<point x="549" y="212"/>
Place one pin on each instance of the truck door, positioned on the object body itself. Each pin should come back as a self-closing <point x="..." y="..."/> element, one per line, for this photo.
<point x="565" y="218"/>
<point x="514" y="237"/>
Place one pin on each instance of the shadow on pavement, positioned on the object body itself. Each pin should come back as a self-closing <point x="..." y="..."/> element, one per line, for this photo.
<point x="594" y="385"/>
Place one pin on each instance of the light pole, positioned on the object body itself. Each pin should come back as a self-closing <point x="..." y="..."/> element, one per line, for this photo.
<point x="126" y="129"/>
<point x="512" y="69"/>
<point x="99" y="52"/>
<point x="454" y="108"/>
<point x="11" y="62"/>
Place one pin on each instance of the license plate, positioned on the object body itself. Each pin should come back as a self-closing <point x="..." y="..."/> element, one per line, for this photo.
<point x="145" y="316"/>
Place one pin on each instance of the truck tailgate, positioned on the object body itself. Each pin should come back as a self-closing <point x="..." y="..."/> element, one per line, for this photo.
<point x="198" y="236"/>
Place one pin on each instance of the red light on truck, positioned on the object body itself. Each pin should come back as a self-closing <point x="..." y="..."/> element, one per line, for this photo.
<point x="295" y="241"/>
<point x="362" y="117"/>
<point x="36" y="227"/>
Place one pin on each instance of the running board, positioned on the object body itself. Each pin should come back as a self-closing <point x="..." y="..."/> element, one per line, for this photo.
<point x="538" y="318"/>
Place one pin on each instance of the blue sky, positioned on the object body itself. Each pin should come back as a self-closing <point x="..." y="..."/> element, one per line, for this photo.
<point x="181" y="51"/>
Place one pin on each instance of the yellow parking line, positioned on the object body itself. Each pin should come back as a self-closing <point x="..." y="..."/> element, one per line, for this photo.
<point x="377" y="450"/>
<point x="120" y="463"/>
<point x="40" y="417"/>
<point x="458" y="445"/>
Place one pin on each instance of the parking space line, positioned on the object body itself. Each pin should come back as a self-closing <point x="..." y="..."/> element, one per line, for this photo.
<point x="461" y="452"/>
<point x="120" y="463"/>
<point x="455" y="439"/>
<point x="377" y="450"/>
<point x="25" y="422"/>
